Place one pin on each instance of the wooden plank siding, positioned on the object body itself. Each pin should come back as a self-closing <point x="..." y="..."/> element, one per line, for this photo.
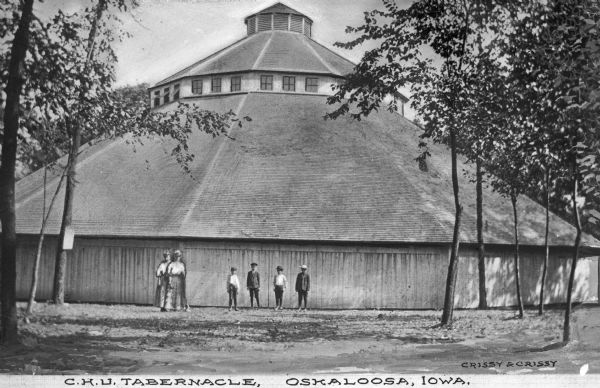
<point x="342" y="276"/>
<point x="500" y="279"/>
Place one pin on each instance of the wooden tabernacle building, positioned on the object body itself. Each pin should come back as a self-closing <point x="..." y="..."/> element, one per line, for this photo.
<point x="344" y="197"/>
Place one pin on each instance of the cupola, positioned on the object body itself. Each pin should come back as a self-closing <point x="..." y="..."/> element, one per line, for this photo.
<point x="279" y="17"/>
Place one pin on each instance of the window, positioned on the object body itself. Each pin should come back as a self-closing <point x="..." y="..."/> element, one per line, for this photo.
<point x="289" y="83"/>
<point x="296" y="23"/>
<point x="156" y="98"/>
<point x="166" y="96"/>
<point x="266" y="82"/>
<point x="251" y="23"/>
<point x="175" y="92"/>
<point x="215" y="85"/>
<point x="197" y="86"/>
<point x="311" y="85"/>
<point x="264" y="22"/>
<point x="280" y="21"/>
<point x="236" y="84"/>
<point x="307" y="26"/>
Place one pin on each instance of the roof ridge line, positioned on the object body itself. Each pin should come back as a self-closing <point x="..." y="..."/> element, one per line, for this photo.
<point x="40" y="190"/>
<point x="323" y="61"/>
<point x="202" y="186"/>
<point x="201" y="61"/>
<point x="262" y="53"/>
<point x="330" y="50"/>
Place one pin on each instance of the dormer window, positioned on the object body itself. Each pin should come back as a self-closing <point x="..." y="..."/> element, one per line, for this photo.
<point x="311" y="85"/>
<point x="175" y="92"/>
<point x="166" y="95"/>
<point x="215" y="85"/>
<point x="197" y="86"/>
<point x="236" y="84"/>
<point x="289" y="83"/>
<point x="156" y="98"/>
<point x="266" y="82"/>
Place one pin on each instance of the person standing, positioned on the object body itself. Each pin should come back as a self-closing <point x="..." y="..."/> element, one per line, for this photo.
<point x="163" y="280"/>
<point x="176" y="272"/>
<point x="233" y="285"/>
<point x="253" y="284"/>
<point x="302" y="286"/>
<point x="279" y="284"/>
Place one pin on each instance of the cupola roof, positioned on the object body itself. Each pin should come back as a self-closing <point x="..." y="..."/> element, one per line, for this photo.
<point x="278" y="8"/>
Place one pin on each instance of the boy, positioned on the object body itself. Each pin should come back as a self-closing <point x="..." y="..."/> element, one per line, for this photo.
<point x="253" y="284"/>
<point x="302" y="286"/>
<point x="233" y="285"/>
<point x="279" y="284"/>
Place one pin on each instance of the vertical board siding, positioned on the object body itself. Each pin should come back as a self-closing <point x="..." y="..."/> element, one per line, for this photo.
<point x="501" y="283"/>
<point x="411" y="277"/>
<point x="25" y="259"/>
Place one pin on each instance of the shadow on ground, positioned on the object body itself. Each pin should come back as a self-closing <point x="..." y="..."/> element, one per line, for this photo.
<point x="135" y="339"/>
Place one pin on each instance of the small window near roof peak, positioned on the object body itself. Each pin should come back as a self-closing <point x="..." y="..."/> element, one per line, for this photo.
<point x="236" y="83"/>
<point x="215" y="85"/>
<point x="167" y="96"/>
<point x="289" y="83"/>
<point x="197" y="86"/>
<point x="266" y="82"/>
<point x="251" y="23"/>
<point x="156" y="98"/>
<point x="311" y="85"/>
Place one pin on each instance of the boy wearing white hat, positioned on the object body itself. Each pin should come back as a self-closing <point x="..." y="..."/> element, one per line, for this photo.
<point x="302" y="286"/>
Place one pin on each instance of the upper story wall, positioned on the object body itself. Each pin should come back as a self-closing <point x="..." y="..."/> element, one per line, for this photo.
<point x="220" y="84"/>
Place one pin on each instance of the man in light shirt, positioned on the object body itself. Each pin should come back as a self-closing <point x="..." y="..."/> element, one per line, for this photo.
<point x="233" y="285"/>
<point x="280" y="284"/>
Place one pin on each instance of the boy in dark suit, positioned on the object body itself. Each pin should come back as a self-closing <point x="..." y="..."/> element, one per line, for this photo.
<point x="253" y="284"/>
<point x="302" y="286"/>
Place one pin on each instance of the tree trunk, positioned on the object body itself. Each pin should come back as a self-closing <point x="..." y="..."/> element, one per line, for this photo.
<point x="58" y="295"/>
<point x="36" y="265"/>
<point x="61" y="254"/>
<point x="453" y="264"/>
<point x="546" y="244"/>
<point x="480" y="244"/>
<point x="513" y="199"/>
<point x="8" y="265"/>
<point x="567" y="323"/>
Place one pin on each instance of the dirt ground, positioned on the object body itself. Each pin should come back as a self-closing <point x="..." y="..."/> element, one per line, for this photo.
<point x="125" y="339"/>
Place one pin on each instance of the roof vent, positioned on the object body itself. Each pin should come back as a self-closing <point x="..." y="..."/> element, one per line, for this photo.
<point x="279" y="17"/>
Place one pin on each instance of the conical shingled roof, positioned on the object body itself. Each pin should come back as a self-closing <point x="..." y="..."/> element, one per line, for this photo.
<point x="278" y="51"/>
<point x="288" y="175"/>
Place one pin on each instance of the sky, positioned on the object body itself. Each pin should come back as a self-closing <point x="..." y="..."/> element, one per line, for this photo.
<point x="168" y="35"/>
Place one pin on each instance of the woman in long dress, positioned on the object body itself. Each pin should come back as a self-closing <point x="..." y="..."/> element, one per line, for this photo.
<point x="176" y="272"/>
<point x="162" y="281"/>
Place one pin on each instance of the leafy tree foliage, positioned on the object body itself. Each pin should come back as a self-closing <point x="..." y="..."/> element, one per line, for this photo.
<point x="68" y="96"/>
<point x="451" y="31"/>
<point x="555" y="53"/>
